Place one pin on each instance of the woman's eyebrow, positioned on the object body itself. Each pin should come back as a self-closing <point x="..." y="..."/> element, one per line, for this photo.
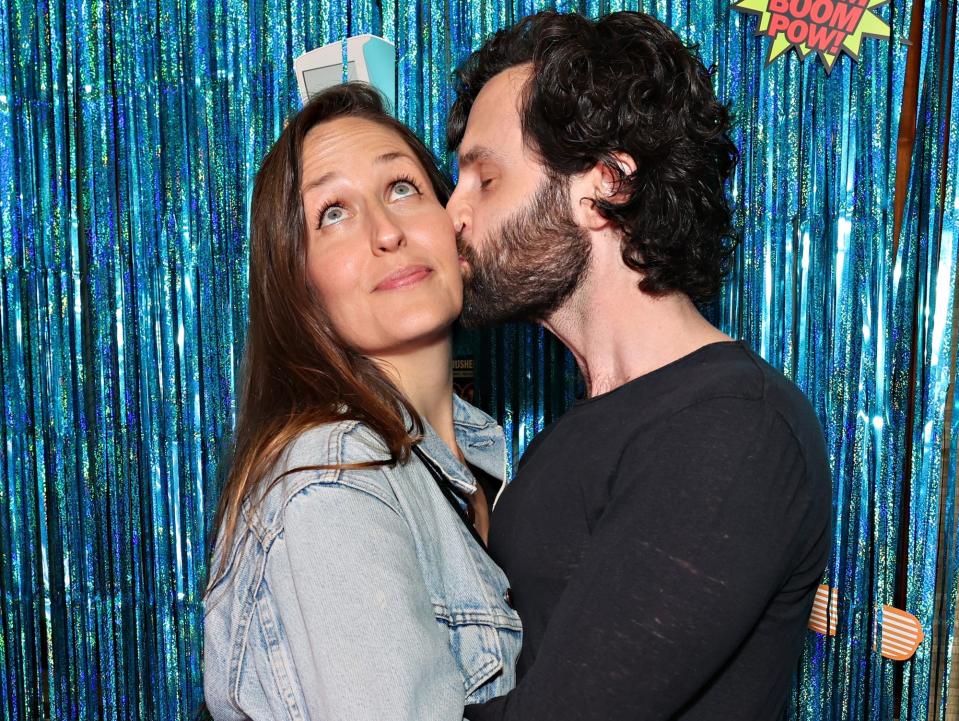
<point x="323" y="179"/>
<point x="389" y="157"/>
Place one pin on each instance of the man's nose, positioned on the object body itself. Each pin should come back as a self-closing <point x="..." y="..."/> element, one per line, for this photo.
<point x="458" y="210"/>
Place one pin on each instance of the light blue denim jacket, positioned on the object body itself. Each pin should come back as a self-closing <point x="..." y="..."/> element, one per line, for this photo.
<point x="360" y="594"/>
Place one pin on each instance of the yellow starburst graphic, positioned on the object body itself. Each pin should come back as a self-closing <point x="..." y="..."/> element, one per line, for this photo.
<point x="826" y="27"/>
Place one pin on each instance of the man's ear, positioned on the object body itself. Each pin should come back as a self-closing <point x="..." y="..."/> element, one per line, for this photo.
<point x="604" y="181"/>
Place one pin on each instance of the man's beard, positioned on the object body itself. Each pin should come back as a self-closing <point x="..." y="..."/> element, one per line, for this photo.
<point x="529" y="265"/>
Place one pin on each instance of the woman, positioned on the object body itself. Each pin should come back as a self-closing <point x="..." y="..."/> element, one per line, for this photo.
<point x="349" y="580"/>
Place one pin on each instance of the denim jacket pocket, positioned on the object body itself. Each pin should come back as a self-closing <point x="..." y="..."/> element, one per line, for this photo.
<point x="477" y="638"/>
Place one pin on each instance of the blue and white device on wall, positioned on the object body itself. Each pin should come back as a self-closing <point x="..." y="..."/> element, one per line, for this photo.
<point x="368" y="58"/>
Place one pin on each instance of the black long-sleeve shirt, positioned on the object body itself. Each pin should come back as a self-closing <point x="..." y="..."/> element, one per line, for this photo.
<point x="664" y="542"/>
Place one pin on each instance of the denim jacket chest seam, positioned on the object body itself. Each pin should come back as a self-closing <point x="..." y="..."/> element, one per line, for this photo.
<point x="237" y="657"/>
<point x="278" y="662"/>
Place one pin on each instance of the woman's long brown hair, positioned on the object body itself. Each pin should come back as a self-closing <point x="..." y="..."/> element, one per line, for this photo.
<point x="297" y="373"/>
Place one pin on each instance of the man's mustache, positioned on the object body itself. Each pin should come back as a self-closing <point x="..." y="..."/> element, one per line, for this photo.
<point x="465" y="250"/>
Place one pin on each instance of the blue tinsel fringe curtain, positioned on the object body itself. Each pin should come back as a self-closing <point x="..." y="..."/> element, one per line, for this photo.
<point x="129" y="135"/>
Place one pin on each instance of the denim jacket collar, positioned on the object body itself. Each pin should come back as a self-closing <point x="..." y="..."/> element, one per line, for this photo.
<point x="480" y="439"/>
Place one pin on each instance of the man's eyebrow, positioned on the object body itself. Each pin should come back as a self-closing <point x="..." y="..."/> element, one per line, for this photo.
<point x="476" y="154"/>
<point x="378" y="160"/>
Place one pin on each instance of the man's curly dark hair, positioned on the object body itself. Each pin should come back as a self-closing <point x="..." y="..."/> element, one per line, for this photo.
<point x="625" y="83"/>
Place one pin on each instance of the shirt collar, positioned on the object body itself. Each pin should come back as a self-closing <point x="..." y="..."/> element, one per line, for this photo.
<point x="478" y="436"/>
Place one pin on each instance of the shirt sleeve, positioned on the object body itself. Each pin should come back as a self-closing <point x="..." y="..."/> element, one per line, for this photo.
<point x="693" y="543"/>
<point x="346" y="585"/>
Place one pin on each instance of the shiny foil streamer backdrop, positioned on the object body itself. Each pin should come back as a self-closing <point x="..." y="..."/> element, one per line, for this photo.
<point x="129" y="136"/>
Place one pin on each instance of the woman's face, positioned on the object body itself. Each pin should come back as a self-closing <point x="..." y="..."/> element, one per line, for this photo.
<point x="381" y="251"/>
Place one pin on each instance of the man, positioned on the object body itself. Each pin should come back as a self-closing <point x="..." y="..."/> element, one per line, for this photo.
<point x="665" y="538"/>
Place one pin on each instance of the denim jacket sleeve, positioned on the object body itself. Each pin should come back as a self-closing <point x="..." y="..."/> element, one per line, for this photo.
<point x="347" y="588"/>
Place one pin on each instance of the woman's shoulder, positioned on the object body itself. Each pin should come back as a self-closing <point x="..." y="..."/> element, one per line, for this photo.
<point x="327" y="454"/>
<point x="339" y="442"/>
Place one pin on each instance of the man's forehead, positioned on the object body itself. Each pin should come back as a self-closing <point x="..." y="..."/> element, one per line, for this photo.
<point x="494" y="117"/>
<point x="512" y="80"/>
<point x="502" y="92"/>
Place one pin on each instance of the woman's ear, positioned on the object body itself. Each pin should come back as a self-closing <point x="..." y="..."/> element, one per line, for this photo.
<point x="604" y="181"/>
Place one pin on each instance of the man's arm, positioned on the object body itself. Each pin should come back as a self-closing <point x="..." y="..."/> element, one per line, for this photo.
<point x="694" y="542"/>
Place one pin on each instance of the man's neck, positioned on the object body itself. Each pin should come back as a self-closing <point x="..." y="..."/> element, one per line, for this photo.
<point x="425" y="376"/>
<point x="618" y="333"/>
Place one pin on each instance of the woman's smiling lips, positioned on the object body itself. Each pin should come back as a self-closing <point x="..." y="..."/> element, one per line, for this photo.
<point x="404" y="277"/>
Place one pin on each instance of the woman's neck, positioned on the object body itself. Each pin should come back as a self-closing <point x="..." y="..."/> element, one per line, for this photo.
<point x="425" y="376"/>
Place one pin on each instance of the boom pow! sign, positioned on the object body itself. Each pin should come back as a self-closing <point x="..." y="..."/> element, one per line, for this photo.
<point x="825" y="27"/>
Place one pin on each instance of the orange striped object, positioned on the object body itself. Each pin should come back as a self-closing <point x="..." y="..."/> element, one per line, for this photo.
<point x="825" y="611"/>
<point x="901" y="634"/>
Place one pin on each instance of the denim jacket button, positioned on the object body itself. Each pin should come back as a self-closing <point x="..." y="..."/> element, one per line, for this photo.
<point x="508" y="597"/>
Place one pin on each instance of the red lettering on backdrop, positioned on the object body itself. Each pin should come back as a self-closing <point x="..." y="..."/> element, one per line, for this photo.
<point x="819" y="24"/>
<point x="822" y="38"/>
<point x="796" y="32"/>
<point x="777" y="23"/>
<point x="845" y="17"/>
<point x="827" y="27"/>
<point x="820" y="11"/>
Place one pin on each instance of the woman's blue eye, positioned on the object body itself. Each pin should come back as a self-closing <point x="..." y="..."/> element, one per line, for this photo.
<point x="332" y="215"/>
<point x="404" y="188"/>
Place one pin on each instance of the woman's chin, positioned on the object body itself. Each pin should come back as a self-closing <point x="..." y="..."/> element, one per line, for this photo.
<point x="408" y="336"/>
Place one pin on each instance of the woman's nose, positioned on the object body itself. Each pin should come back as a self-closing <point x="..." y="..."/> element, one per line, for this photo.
<point x="387" y="235"/>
